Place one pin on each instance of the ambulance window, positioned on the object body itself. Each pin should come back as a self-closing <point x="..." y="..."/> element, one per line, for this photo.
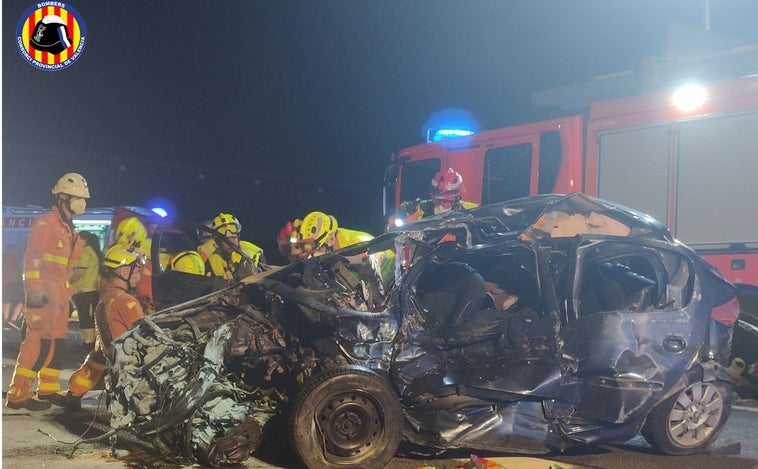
<point x="507" y="172"/>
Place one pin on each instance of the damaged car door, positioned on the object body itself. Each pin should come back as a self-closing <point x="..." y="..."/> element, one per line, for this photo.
<point x="632" y="329"/>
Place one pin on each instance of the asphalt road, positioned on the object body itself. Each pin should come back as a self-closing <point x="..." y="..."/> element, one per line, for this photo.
<point x="57" y="439"/>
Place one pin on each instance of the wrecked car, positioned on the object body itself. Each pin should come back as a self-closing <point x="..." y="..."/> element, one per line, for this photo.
<point x="744" y="362"/>
<point x="528" y="326"/>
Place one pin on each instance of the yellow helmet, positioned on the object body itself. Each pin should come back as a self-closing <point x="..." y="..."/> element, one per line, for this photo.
<point x="188" y="262"/>
<point x="316" y="228"/>
<point x="118" y="256"/>
<point x="130" y="232"/>
<point x="226" y="223"/>
<point x="72" y="184"/>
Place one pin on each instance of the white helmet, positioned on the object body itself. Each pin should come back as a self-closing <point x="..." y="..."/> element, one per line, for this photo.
<point x="72" y="184"/>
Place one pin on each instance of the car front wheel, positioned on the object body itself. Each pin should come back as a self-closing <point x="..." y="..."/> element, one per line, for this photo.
<point x="346" y="418"/>
<point x="690" y="420"/>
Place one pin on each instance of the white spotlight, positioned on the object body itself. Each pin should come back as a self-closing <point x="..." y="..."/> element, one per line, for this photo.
<point x="689" y="97"/>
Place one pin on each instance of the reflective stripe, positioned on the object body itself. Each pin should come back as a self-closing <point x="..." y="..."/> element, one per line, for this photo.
<point x="51" y="372"/>
<point x="84" y="382"/>
<point x="56" y="259"/>
<point x="25" y="372"/>
<point x="31" y="274"/>
<point x="50" y="387"/>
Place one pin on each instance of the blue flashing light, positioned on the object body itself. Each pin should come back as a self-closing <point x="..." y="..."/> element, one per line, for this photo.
<point x="444" y="134"/>
<point x="449" y="123"/>
<point x="160" y="211"/>
<point x="163" y="207"/>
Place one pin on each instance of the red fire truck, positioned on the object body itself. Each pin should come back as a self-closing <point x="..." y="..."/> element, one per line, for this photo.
<point x="694" y="170"/>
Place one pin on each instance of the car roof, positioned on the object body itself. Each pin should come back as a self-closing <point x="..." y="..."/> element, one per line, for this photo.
<point x="556" y="215"/>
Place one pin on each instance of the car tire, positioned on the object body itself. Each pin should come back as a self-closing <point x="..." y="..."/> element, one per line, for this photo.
<point x="687" y="422"/>
<point x="346" y="418"/>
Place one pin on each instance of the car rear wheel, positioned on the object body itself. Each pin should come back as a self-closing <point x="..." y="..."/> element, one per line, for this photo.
<point x="690" y="420"/>
<point x="346" y="418"/>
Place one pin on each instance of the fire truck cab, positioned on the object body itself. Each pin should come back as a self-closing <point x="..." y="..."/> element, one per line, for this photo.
<point x="692" y="168"/>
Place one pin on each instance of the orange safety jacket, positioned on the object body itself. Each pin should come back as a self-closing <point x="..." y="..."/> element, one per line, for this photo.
<point x="115" y="314"/>
<point x="51" y="253"/>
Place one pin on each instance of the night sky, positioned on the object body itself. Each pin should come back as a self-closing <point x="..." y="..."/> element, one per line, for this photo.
<point x="271" y="109"/>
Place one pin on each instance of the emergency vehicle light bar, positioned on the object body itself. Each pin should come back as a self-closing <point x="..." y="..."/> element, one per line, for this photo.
<point x="436" y="135"/>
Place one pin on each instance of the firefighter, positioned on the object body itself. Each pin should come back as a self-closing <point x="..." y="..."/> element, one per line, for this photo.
<point x="319" y="233"/>
<point x="232" y="259"/>
<point x="446" y="194"/>
<point x="51" y="254"/>
<point x="132" y="235"/>
<point x="287" y="240"/>
<point x="86" y="287"/>
<point x="116" y="312"/>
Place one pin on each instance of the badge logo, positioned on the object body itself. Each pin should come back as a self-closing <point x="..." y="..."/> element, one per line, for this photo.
<point x="51" y="35"/>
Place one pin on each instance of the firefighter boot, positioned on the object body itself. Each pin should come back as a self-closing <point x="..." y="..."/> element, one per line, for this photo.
<point x="66" y="400"/>
<point x="31" y="403"/>
<point x="56" y="398"/>
<point x="20" y="392"/>
<point x="72" y="402"/>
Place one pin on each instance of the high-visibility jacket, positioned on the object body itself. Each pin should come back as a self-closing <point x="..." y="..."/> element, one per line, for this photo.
<point x="234" y="267"/>
<point x="115" y="314"/>
<point x="344" y="238"/>
<point x="90" y="263"/>
<point x="425" y="208"/>
<point x="51" y="252"/>
<point x="206" y="249"/>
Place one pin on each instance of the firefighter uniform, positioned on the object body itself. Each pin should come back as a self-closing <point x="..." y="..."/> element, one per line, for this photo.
<point x="206" y="248"/>
<point x="131" y="234"/>
<point x="224" y="261"/>
<point x="85" y="288"/>
<point x="344" y="238"/>
<point x="51" y="252"/>
<point x="144" y="288"/>
<point x="234" y="268"/>
<point x="447" y="192"/>
<point x="115" y="314"/>
<point x="320" y="233"/>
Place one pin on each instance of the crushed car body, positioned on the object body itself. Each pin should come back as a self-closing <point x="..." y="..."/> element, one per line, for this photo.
<point x="528" y="326"/>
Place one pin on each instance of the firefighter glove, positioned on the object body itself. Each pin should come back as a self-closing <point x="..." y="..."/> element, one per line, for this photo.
<point x="36" y="299"/>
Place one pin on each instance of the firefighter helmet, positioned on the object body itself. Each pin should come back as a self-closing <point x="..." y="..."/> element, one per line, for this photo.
<point x="188" y="262"/>
<point x="226" y="224"/>
<point x="50" y="34"/>
<point x="316" y="228"/>
<point x="72" y="184"/>
<point x="118" y="256"/>
<point x="130" y="232"/>
<point x="448" y="185"/>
